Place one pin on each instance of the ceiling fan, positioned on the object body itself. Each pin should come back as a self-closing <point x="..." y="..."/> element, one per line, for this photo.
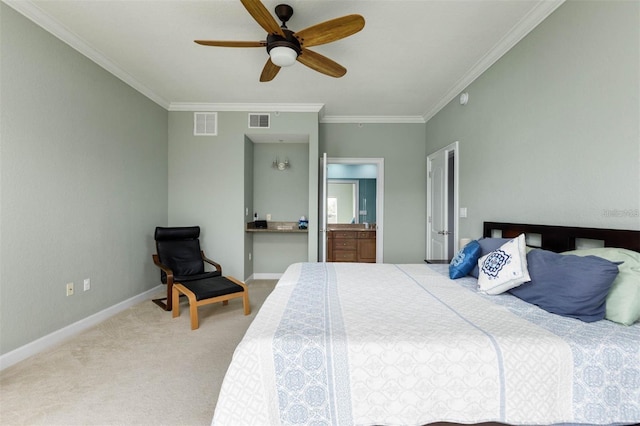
<point x="285" y="46"/>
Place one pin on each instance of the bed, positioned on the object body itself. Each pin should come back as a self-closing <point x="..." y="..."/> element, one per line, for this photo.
<point x="389" y="344"/>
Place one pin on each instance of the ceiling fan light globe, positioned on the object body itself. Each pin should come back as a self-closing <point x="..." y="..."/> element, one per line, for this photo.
<point x="283" y="56"/>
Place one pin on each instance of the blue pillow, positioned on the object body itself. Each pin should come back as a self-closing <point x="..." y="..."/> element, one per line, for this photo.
<point x="487" y="245"/>
<point x="568" y="285"/>
<point x="465" y="260"/>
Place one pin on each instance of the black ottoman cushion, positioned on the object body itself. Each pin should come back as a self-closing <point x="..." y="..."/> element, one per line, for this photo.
<point x="212" y="287"/>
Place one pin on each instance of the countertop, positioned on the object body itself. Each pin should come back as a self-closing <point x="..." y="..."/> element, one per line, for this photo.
<point x="282" y="227"/>
<point x="350" y="227"/>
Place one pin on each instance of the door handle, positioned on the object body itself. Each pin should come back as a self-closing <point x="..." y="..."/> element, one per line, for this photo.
<point x="444" y="232"/>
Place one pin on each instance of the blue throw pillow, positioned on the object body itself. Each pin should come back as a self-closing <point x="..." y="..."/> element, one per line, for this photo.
<point x="487" y="245"/>
<point x="464" y="260"/>
<point x="568" y="285"/>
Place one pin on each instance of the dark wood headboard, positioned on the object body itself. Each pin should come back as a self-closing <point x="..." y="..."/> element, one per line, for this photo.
<point x="563" y="238"/>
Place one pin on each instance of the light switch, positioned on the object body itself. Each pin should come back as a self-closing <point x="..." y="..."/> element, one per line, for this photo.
<point x="463" y="212"/>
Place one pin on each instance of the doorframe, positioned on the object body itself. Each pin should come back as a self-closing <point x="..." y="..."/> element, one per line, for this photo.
<point x="379" y="163"/>
<point x="455" y="149"/>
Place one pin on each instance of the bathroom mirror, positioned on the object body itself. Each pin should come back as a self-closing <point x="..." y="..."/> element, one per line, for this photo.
<point x="351" y="193"/>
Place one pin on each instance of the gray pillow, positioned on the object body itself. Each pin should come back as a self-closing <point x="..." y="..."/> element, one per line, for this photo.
<point x="568" y="285"/>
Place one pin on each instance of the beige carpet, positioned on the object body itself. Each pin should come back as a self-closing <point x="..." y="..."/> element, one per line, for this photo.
<point x="140" y="367"/>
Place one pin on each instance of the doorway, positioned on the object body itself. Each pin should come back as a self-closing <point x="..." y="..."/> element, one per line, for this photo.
<point x="366" y="206"/>
<point x="442" y="204"/>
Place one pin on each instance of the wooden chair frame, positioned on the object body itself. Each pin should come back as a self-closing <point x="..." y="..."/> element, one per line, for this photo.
<point x="194" y="304"/>
<point x="166" y="302"/>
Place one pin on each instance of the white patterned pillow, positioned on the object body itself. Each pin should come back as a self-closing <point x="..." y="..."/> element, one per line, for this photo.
<point x="504" y="268"/>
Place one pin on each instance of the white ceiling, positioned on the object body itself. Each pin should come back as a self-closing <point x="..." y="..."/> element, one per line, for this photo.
<point x="411" y="58"/>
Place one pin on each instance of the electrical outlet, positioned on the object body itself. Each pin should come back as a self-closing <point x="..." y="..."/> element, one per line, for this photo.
<point x="87" y="284"/>
<point x="268" y="216"/>
<point x="69" y="289"/>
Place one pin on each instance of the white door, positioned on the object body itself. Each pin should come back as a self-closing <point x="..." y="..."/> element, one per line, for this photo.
<point x="322" y="238"/>
<point x="437" y="216"/>
<point x="442" y="203"/>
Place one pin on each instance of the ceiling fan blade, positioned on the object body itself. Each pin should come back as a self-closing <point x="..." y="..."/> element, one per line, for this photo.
<point x="269" y="71"/>
<point x="332" y="30"/>
<point x="262" y="16"/>
<point x="231" y="43"/>
<point x="321" y="63"/>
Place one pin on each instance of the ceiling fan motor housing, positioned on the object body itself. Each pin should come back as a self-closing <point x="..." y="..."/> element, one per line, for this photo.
<point x="291" y="41"/>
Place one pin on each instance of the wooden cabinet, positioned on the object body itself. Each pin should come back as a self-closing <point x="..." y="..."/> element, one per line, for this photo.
<point x="351" y="246"/>
<point x="367" y="246"/>
<point x="342" y="246"/>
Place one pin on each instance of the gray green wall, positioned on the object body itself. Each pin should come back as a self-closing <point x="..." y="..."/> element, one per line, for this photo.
<point x="403" y="148"/>
<point x="551" y="131"/>
<point x="83" y="182"/>
<point x="209" y="183"/>
<point x="283" y="194"/>
<point x="89" y="166"/>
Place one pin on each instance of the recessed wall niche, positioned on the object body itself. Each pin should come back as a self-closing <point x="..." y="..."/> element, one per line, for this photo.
<point x="279" y="195"/>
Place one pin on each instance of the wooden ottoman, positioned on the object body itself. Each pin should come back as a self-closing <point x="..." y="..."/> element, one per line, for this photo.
<point x="209" y="290"/>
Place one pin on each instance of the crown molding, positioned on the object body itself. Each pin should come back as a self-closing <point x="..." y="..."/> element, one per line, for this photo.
<point x="517" y="33"/>
<point x="249" y="107"/>
<point x="372" y="119"/>
<point x="284" y="107"/>
<point x="32" y="12"/>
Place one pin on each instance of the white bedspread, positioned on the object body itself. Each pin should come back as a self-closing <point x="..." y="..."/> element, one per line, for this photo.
<point x="392" y="344"/>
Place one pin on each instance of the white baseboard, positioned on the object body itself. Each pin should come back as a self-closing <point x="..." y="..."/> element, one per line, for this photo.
<point x="58" y="336"/>
<point x="266" y="276"/>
